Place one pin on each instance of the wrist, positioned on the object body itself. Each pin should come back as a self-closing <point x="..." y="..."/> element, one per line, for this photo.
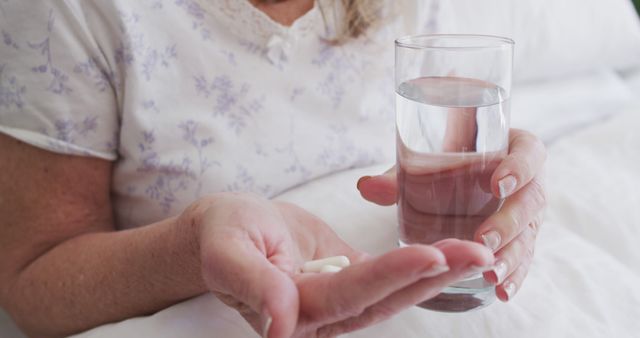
<point x="193" y="217"/>
<point x="188" y="230"/>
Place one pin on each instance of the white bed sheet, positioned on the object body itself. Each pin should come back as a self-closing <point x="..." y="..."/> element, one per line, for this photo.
<point x="584" y="281"/>
<point x="632" y="80"/>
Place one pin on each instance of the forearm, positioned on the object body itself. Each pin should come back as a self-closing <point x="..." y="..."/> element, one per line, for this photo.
<point x="104" y="277"/>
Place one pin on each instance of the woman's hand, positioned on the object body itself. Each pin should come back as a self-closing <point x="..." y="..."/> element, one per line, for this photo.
<point x="510" y="232"/>
<point x="252" y="250"/>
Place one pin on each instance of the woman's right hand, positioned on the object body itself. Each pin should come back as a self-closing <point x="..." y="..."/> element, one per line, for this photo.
<point x="252" y="250"/>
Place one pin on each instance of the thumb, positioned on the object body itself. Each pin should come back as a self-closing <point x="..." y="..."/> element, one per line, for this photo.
<point x="240" y="270"/>
<point x="277" y="296"/>
<point x="380" y="189"/>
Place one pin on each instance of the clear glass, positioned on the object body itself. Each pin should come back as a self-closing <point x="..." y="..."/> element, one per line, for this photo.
<point x="452" y="123"/>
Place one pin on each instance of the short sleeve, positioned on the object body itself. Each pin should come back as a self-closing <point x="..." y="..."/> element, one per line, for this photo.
<point x="56" y="91"/>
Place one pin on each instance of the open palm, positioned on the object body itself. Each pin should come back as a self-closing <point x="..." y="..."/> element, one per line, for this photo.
<point x="252" y="251"/>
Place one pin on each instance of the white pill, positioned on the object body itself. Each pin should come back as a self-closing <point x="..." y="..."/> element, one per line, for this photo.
<point x="330" y="268"/>
<point x="315" y="266"/>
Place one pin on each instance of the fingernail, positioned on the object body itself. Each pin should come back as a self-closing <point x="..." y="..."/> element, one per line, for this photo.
<point x="500" y="270"/>
<point x="266" y="326"/>
<point x="436" y="270"/>
<point x="475" y="269"/>
<point x="491" y="240"/>
<point x="362" y="179"/>
<point x="507" y="185"/>
<point x="509" y="289"/>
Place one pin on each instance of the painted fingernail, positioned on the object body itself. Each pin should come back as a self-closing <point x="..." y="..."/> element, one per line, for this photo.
<point x="361" y="180"/>
<point x="500" y="270"/>
<point x="491" y="240"/>
<point x="266" y="326"/>
<point x="476" y="269"/>
<point x="507" y="185"/>
<point x="437" y="269"/>
<point x="509" y="289"/>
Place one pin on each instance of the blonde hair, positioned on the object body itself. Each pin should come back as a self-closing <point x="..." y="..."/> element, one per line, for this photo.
<point x="360" y="15"/>
<point x="352" y="18"/>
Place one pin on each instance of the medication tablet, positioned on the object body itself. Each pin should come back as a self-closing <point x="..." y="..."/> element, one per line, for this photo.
<point x="330" y="268"/>
<point x="316" y="266"/>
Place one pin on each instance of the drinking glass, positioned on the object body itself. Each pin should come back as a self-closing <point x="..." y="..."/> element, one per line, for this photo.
<point x="452" y="127"/>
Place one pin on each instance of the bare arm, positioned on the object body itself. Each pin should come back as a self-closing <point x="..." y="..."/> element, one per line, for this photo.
<point x="63" y="267"/>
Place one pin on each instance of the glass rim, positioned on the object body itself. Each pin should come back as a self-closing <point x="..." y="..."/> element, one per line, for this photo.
<point x="409" y="41"/>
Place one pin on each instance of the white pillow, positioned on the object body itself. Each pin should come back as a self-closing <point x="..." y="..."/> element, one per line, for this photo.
<point x="553" y="38"/>
<point x="552" y="109"/>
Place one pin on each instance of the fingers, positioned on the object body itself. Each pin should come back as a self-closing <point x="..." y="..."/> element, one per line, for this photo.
<point x="461" y="131"/>
<point x="280" y="300"/>
<point x="461" y="253"/>
<point x="463" y="257"/>
<point x="237" y="268"/>
<point x="517" y="258"/>
<point x="329" y="298"/>
<point x="522" y="208"/>
<point x="525" y="160"/>
<point x="381" y="189"/>
<point x="526" y="157"/>
<point x="512" y="256"/>
<point x="507" y="290"/>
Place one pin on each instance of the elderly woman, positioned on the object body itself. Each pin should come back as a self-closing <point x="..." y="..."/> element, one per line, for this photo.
<point x="141" y="142"/>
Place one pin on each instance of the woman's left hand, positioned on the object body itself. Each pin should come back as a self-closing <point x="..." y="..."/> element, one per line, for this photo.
<point x="510" y="232"/>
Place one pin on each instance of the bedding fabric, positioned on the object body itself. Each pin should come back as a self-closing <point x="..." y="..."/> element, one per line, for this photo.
<point x="7" y="328"/>
<point x="553" y="38"/>
<point x="551" y="109"/>
<point x="632" y="80"/>
<point x="585" y="276"/>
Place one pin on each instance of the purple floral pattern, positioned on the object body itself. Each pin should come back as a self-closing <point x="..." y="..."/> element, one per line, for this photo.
<point x="134" y="50"/>
<point x="230" y="57"/>
<point x="150" y="105"/>
<point x="294" y="165"/>
<point x="197" y="14"/>
<point x="68" y="130"/>
<point x="102" y="79"/>
<point x="232" y="102"/>
<point x="175" y="176"/>
<point x="112" y="144"/>
<point x="58" y="84"/>
<point x="189" y="134"/>
<point x="198" y="109"/>
<point x="431" y="25"/>
<point x="340" y="149"/>
<point x="11" y="91"/>
<point x="246" y="182"/>
<point x="338" y="70"/>
<point x="8" y="40"/>
<point x="171" y="177"/>
<point x="157" y="4"/>
<point x="296" y="92"/>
